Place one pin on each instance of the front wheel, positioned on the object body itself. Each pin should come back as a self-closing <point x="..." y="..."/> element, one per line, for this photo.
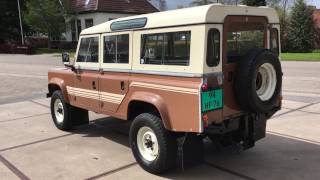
<point x="64" y="115"/>
<point x="153" y="147"/>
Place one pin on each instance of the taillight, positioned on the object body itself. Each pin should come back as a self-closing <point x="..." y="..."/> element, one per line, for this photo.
<point x="204" y="87"/>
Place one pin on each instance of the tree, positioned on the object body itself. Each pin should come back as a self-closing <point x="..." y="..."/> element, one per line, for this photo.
<point x="46" y="16"/>
<point x="202" y="2"/>
<point x="254" y="2"/>
<point x="300" y="29"/>
<point x="9" y="20"/>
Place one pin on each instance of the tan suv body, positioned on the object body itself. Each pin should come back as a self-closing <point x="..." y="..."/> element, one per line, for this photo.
<point x="180" y="68"/>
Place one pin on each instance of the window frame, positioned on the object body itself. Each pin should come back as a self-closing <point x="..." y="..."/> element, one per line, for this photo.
<point x="218" y="60"/>
<point x="88" y="65"/>
<point x="116" y="66"/>
<point x="142" y="49"/>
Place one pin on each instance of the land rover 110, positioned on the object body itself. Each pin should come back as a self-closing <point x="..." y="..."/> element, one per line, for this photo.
<point x="211" y="71"/>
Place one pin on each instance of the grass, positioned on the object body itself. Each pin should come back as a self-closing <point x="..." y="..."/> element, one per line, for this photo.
<point x="312" y="56"/>
<point x="56" y="52"/>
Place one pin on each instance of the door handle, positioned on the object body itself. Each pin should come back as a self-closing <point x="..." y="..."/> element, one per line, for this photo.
<point x="122" y="86"/>
<point x="94" y="85"/>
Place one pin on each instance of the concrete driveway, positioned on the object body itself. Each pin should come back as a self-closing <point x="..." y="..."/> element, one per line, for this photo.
<point x="32" y="148"/>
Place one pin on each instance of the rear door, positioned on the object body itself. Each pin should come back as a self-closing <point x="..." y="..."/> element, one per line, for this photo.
<point x="85" y="91"/>
<point x="115" y="67"/>
<point x="240" y="35"/>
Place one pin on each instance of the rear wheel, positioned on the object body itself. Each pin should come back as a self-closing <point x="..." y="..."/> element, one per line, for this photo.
<point x="64" y="115"/>
<point x="153" y="147"/>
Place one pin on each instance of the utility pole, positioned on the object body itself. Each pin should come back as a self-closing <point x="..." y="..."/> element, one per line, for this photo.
<point x="22" y="37"/>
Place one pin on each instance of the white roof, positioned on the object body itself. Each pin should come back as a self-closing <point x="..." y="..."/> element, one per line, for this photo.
<point x="214" y="13"/>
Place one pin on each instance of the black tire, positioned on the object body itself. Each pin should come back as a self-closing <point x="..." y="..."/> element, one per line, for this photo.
<point x="245" y="82"/>
<point x="72" y="116"/>
<point x="167" y="153"/>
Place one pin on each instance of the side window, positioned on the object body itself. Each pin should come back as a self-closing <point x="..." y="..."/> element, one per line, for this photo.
<point x="213" y="48"/>
<point x="116" y="49"/>
<point x="89" y="50"/>
<point x="274" y="40"/>
<point x="171" y="48"/>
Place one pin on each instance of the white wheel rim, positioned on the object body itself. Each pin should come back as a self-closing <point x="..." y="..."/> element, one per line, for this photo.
<point x="147" y="143"/>
<point x="58" y="110"/>
<point x="266" y="81"/>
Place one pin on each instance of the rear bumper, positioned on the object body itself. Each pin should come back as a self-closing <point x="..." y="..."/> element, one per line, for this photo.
<point x="244" y="129"/>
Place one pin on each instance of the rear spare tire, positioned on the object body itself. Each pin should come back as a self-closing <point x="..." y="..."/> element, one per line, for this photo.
<point x="258" y="81"/>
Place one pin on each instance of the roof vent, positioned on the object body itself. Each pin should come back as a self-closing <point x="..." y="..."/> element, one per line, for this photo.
<point x="128" y="24"/>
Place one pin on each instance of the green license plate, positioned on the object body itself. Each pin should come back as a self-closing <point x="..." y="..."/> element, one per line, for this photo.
<point x="211" y="100"/>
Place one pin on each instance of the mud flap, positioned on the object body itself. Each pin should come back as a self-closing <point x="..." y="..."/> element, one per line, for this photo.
<point x="190" y="151"/>
<point x="253" y="128"/>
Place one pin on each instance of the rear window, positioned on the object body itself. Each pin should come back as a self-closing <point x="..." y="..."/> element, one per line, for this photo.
<point x="241" y="38"/>
<point x="89" y="50"/>
<point x="171" y="48"/>
<point x="213" y="48"/>
<point x="274" y="40"/>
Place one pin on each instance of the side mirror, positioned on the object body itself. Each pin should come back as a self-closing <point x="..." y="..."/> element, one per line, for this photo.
<point x="66" y="61"/>
<point x="65" y="57"/>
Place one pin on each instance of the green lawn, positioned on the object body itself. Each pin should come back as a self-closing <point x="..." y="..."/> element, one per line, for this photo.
<point x="55" y="52"/>
<point x="313" y="56"/>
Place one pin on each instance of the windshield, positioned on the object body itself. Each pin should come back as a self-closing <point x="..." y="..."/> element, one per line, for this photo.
<point x="242" y="37"/>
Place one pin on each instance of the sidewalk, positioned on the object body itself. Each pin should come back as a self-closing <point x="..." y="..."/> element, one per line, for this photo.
<point x="31" y="147"/>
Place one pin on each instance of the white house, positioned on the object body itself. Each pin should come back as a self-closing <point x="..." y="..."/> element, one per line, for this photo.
<point x="86" y="13"/>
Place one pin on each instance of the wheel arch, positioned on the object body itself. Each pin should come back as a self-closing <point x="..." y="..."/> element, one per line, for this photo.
<point x="57" y="84"/>
<point x="142" y="102"/>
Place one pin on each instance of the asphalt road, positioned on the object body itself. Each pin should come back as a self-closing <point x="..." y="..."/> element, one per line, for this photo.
<point x="32" y="148"/>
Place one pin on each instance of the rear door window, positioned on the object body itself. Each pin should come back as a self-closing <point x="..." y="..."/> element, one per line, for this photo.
<point x="243" y="37"/>
<point x="116" y="49"/>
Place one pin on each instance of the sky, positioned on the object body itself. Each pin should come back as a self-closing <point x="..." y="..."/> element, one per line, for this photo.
<point x="172" y="4"/>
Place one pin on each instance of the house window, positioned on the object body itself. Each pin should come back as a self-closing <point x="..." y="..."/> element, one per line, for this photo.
<point x="171" y="48"/>
<point x="89" y="23"/>
<point x="73" y="30"/>
<point x="79" y="26"/>
<point x="89" y="50"/>
<point x="116" y="49"/>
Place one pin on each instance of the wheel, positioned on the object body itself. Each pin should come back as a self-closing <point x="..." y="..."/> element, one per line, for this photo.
<point x="64" y="115"/>
<point x="153" y="147"/>
<point x="258" y="81"/>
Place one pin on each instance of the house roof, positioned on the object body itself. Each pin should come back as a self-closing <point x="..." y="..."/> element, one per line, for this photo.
<point x="214" y="13"/>
<point x="113" y="6"/>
